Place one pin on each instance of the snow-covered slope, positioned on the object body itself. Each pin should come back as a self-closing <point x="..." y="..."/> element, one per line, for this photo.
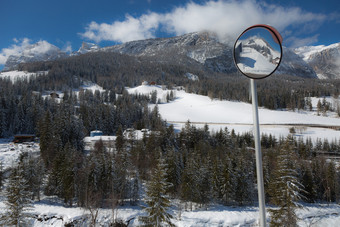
<point x="218" y="114"/>
<point x="199" y="108"/>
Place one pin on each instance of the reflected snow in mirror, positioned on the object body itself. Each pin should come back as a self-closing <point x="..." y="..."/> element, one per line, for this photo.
<point x="257" y="53"/>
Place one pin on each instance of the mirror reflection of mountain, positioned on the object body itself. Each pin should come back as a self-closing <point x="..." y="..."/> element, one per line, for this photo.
<point x="263" y="47"/>
<point x="254" y="55"/>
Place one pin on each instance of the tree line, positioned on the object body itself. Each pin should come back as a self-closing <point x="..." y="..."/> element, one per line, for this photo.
<point x="195" y="166"/>
<point x="113" y="71"/>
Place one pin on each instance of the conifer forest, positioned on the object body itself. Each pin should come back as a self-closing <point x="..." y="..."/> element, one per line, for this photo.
<point x="195" y="166"/>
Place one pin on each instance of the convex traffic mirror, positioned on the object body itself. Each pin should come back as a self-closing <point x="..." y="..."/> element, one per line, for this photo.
<point x="258" y="51"/>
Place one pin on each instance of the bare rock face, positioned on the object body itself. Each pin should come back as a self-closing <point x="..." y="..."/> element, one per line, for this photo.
<point x="293" y="64"/>
<point x="326" y="63"/>
<point x="200" y="47"/>
<point x="86" y="48"/>
<point x="205" y="49"/>
<point x="324" y="60"/>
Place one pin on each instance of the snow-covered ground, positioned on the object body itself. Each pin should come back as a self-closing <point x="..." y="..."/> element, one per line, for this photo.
<point x="15" y="75"/>
<point x="49" y="212"/>
<point x="201" y="110"/>
<point x="335" y="102"/>
<point x="10" y="152"/>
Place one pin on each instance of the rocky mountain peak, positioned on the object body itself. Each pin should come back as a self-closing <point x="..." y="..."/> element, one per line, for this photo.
<point x="201" y="50"/>
<point x="87" y="47"/>
<point x="325" y="60"/>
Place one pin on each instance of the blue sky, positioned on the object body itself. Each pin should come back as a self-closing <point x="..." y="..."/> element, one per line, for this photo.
<point x="67" y="23"/>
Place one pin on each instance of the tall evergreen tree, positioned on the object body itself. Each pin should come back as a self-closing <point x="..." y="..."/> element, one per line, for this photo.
<point x="285" y="189"/>
<point x="157" y="201"/>
<point x="18" y="199"/>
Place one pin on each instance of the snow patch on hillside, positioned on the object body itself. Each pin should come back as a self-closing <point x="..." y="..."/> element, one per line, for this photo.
<point x="87" y="85"/>
<point x="10" y="152"/>
<point x="192" y="77"/>
<point x="16" y="75"/>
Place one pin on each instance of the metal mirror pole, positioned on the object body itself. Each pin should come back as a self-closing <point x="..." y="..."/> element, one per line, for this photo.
<point x="259" y="170"/>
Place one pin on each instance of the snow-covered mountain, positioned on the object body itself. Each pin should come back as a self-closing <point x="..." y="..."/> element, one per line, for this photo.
<point x="86" y="48"/>
<point x="199" y="50"/>
<point x="40" y="51"/>
<point x="200" y="47"/>
<point x="205" y="49"/>
<point x="293" y="64"/>
<point x="325" y="60"/>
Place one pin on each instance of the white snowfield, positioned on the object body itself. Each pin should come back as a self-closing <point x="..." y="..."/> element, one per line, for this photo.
<point x="201" y="110"/>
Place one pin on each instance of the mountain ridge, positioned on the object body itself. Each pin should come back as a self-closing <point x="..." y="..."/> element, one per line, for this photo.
<point x="202" y="48"/>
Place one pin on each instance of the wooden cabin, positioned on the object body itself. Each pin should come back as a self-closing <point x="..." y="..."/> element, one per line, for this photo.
<point x="22" y="138"/>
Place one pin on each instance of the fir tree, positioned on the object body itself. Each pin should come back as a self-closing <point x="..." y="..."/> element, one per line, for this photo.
<point x="135" y="190"/>
<point x="120" y="139"/>
<point x="157" y="201"/>
<point x="18" y="199"/>
<point x="228" y="183"/>
<point x="244" y="179"/>
<point x="1" y="175"/>
<point x="285" y="189"/>
<point x="319" y="107"/>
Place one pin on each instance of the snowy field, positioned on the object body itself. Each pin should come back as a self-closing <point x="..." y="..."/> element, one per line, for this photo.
<point x="49" y="212"/>
<point x="201" y="110"/>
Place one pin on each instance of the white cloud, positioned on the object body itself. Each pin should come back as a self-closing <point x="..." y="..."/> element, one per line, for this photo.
<point x="300" y="42"/>
<point x="14" y="49"/>
<point x="227" y="18"/>
<point x="123" y="31"/>
<point x="67" y="47"/>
